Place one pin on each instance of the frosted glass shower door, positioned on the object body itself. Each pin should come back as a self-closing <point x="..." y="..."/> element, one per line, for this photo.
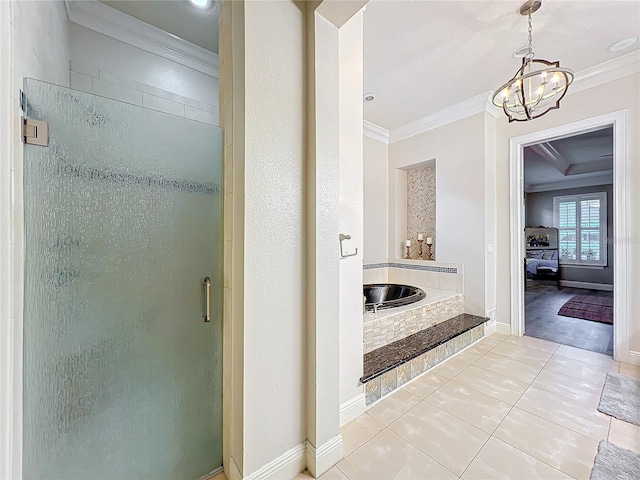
<point x="123" y="209"/>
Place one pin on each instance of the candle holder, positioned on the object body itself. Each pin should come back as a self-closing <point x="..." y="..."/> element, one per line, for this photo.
<point x="429" y="255"/>
<point x="407" y="256"/>
<point x="420" y="249"/>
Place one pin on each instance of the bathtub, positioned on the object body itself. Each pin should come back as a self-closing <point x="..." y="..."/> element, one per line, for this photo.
<point x="380" y="296"/>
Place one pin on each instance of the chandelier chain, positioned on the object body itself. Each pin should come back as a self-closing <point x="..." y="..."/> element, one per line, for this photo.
<point x="530" y="35"/>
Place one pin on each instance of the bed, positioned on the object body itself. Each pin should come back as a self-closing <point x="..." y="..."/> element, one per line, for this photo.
<point x="541" y="254"/>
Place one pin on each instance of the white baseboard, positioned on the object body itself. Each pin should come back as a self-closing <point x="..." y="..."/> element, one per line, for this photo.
<point x="287" y="465"/>
<point x="352" y="409"/>
<point x="489" y="327"/>
<point x="588" y="285"/>
<point x="320" y="460"/>
<point x="503" y="328"/>
<point x="634" y="358"/>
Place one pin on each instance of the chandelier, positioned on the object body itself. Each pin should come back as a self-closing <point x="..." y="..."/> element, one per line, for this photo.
<point x="538" y="85"/>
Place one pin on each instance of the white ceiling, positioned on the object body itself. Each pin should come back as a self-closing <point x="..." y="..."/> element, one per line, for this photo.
<point x="178" y="17"/>
<point x="423" y="56"/>
<point x="589" y="152"/>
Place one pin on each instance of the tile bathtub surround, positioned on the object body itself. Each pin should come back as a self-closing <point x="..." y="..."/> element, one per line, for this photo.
<point x="421" y="207"/>
<point x="433" y="345"/>
<point x="378" y="332"/>
<point x="480" y="424"/>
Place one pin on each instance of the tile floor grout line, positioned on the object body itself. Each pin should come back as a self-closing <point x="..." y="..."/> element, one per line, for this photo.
<point x="368" y="440"/>
<point x="555" y="393"/>
<point x="519" y="361"/>
<point x="574" y="377"/>
<point x="557" y="424"/>
<point x="419" y="449"/>
<point x="474" y="457"/>
<point x="561" y="426"/>
<point x="616" y="367"/>
<point x="568" y="376"/>
<point x="342" y="471"/>
<point x="521" y="395"/>
<point x="500" y="373"/>
<point x="533" y="456"/>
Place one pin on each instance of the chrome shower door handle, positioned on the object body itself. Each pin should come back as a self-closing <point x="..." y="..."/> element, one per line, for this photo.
<point x="207" y="285"/>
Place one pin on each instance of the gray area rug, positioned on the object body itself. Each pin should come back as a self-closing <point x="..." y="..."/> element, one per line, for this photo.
<point x="620" y="398"/>
<point x="615" y="463"/>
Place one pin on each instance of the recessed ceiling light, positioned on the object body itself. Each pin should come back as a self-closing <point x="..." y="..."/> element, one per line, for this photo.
<point x="202" y="4"/>
<point x="522" y="51"/>
<point x="369" y="97"/>
<point x="622" y="44"/>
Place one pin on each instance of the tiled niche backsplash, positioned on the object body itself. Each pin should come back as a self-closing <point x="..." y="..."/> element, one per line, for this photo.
<point x="421" y="207"/>
<point x="116" y="87"/>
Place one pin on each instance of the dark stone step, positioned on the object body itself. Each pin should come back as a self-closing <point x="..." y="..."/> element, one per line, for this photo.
<point x="388" y="357"/>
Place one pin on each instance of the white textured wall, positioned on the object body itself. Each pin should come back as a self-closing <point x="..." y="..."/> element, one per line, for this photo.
<point x="351" y="207"/>
<point x="622" y="94"/>
<point x="274" y="261"/>
<point x="42" y="41"/>
<point x="376" y="201"/>
<point x="459" y="151"/>
<point x="92" y="51"/>
<point x="490" y="199"/>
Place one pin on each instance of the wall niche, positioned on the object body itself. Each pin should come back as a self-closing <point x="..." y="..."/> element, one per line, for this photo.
<point x="421" y="207"/>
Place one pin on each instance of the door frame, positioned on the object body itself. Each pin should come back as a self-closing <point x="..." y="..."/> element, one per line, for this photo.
<point x="10" y="258"/>
<point x="622" y="274"/>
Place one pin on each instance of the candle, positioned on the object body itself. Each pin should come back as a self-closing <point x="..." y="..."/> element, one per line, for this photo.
<point x="420" y="236"/>
<point x="429" y="241"/>
<point x="408" y="243"/>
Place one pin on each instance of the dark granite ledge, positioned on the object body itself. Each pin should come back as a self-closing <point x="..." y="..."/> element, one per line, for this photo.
<point x="386" y="358"/>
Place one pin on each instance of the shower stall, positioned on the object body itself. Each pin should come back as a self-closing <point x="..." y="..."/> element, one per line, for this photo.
<point x="123" y="221"/>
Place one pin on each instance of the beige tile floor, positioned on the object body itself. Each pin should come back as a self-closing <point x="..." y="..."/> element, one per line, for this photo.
<point x="507" y="407"/>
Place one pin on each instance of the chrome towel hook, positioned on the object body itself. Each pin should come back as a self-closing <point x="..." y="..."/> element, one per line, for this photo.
<point x="346" y="237"/>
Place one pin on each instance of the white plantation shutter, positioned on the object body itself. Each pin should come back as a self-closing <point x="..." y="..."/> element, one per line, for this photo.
<point x="582" y="227"/>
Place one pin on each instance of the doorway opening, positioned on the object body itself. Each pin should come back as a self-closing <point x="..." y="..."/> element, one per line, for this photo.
<point x="569" y="252"/>
<point x="617" y="121"/>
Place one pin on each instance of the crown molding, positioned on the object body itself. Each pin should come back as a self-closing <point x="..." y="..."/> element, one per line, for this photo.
<point x="103" y="19"/>
<point x="589" y="77"/>
<point x="447" y="115"/>
<point x="606" y="72"/>
<point x="372" y="130"/>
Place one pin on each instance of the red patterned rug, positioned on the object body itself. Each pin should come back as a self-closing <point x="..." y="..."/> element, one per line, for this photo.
<point x="597" y="309"/>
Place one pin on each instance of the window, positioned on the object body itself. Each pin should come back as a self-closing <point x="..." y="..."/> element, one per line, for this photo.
<point x="582" y="227"/>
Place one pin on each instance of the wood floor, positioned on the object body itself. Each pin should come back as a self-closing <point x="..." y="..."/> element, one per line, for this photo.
<point x="542" y="303"/>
